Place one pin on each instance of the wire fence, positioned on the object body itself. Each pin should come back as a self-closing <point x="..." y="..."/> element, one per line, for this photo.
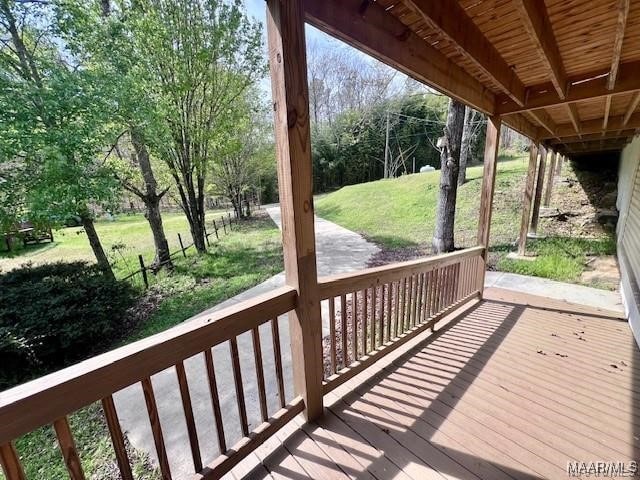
<point x="220" y="228"/>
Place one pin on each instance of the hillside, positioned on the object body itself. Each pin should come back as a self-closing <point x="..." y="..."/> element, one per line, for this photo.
<point x="398" y="215"/>
<point x="400" y="212"/>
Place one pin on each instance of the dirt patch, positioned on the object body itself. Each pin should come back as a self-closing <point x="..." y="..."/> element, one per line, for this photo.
<point x="602" y="272"/>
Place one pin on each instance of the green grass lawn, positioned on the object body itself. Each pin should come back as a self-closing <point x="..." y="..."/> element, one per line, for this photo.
<point x="399" y="214"/>
<point x="250" y="254"/>
<point x="123" y="239"/>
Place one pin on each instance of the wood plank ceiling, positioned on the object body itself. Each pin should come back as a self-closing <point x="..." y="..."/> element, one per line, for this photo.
<point x="564" y="72"/>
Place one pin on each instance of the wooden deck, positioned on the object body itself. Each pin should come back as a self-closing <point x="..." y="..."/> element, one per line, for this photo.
<point x="513" y="389"/>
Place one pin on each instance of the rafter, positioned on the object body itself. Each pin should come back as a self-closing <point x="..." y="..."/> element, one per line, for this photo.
<point x="623" y="13"/>
<point x="536" y="21"/>
<point x="522" y="125"/>
<point x="369" y="28"/>
<point x="574" y="116"/>
<point x="587" y="86"/>
<point x="544" y="119"/>
<point x="592" y="136"/>
<point x="633" y="105"/>
<point x="451" y="20"/>
<point x="607" y="110"/>
<point x="593" y="126"/>
<point x="599" y="146"/>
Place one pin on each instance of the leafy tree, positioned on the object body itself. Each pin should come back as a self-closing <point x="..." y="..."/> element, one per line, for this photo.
<point x="101" y="35"/>
<point x="54" y="119"/>
<point x="240" y="170"/>
<point x="203" y="56"/>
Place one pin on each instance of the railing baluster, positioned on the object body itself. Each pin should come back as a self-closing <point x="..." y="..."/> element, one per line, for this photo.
<point x="10" y="461"/>
<point x="215" y="399"/>
<point x="277" y="354"/>
<point x="262" y="392"/>
<point x="237" y="379"/>
<point x="332" y="334"/>
<point x="343" y="319"/>
<point x="381" y="317"/>
<point x="117" y="438"/>
<point x="429" y="298"/>
<point x="396" y="312"/>
<point x="436" y="291"/>
<point x="418" y="315"/>
<point x="156" y="427"/>
<point x="389" y="295"/>
<point x="412" y="311"/>
<point x="365" y="319"/>
<point x="188" y="415"/>
<point x="373" y="318"/>
<point x="423" y="297"/>
<point x="68" y="448"/>
<point x="403" y="309"/>
<point x="354" y="324"/>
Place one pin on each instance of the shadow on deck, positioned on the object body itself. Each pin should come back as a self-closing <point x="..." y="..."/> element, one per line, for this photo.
<point x="514" y="387"/>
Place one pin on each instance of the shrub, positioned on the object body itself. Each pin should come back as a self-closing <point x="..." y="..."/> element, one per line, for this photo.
<point x="56" y="314"/>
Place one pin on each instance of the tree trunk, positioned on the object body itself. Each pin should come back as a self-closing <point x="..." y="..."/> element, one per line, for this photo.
<point x="443" y="240"/>
<point x="96" y="246"/>
<point x="151" y="201"/>
<point x="465" y="146"/>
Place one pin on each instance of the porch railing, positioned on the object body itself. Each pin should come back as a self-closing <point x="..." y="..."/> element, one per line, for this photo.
<point x="374" y="311"/>
<point x="370" y="312"/>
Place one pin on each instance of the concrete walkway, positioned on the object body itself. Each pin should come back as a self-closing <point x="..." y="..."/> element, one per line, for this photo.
<point x="338" y="250"/>
<point x="591" y="297"/>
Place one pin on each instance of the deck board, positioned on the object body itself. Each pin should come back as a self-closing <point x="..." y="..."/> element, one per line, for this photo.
<point x="513" y="389"/>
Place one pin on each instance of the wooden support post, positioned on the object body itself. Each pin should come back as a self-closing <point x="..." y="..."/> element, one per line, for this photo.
<point x="229" y="214"/>
<point x="184" y="254"/>
<point x="288" y="65"/>
<point x="559" y="165"/>
<point x="206" y="234"/>
<point x="492" y="143"/>
<point x="224" y="226"/>
<point x="143" y="270"/>
<point x="542" y="161"/>
<point x="527" y="197"/>
<point x="215" y="229"/>
<point x="551" y="176"/>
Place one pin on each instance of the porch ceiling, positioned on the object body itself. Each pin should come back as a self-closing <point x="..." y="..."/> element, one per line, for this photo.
<point x="552" y="69"/>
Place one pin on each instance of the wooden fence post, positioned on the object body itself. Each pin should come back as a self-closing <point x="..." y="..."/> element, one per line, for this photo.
<point x="223" y="225"/>
<point x="143" y="269"/>
<point x="184" y="254"/>
<point x="229" y="214"/>
<point x="288" y="65"/>
<point x="542" y="162"/>
<point x="215" y="229"/>
<point x="492" y="144"/>
<point x="206" y="235"/>
<point x="527" y="197"/>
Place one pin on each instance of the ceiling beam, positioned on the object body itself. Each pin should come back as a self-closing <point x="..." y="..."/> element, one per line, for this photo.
<point x="592" y="136"/>
<point x="580" y="88"/>
<point x="522" y="125"/>
<point x="452" y="22"/>
<point x="623" y="13"/>
<point x="598" y="146"/>
<point x="607" y="110"/>
<point x="633" y="105"/>
<point x="593" y="126"/>
<point x="574" y="116"/>
<point x="544" y="119"/>
<point x="536" y="22"/>
<point x="369" y="28"/>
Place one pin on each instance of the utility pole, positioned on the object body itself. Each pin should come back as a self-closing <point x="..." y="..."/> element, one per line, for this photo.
<point x="386" y="150"/>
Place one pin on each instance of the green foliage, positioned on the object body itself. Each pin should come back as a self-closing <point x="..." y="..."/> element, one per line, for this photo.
<point x="54" y="119"/>
<point x="56" y="314"/>
<point x="351" y="149"/>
